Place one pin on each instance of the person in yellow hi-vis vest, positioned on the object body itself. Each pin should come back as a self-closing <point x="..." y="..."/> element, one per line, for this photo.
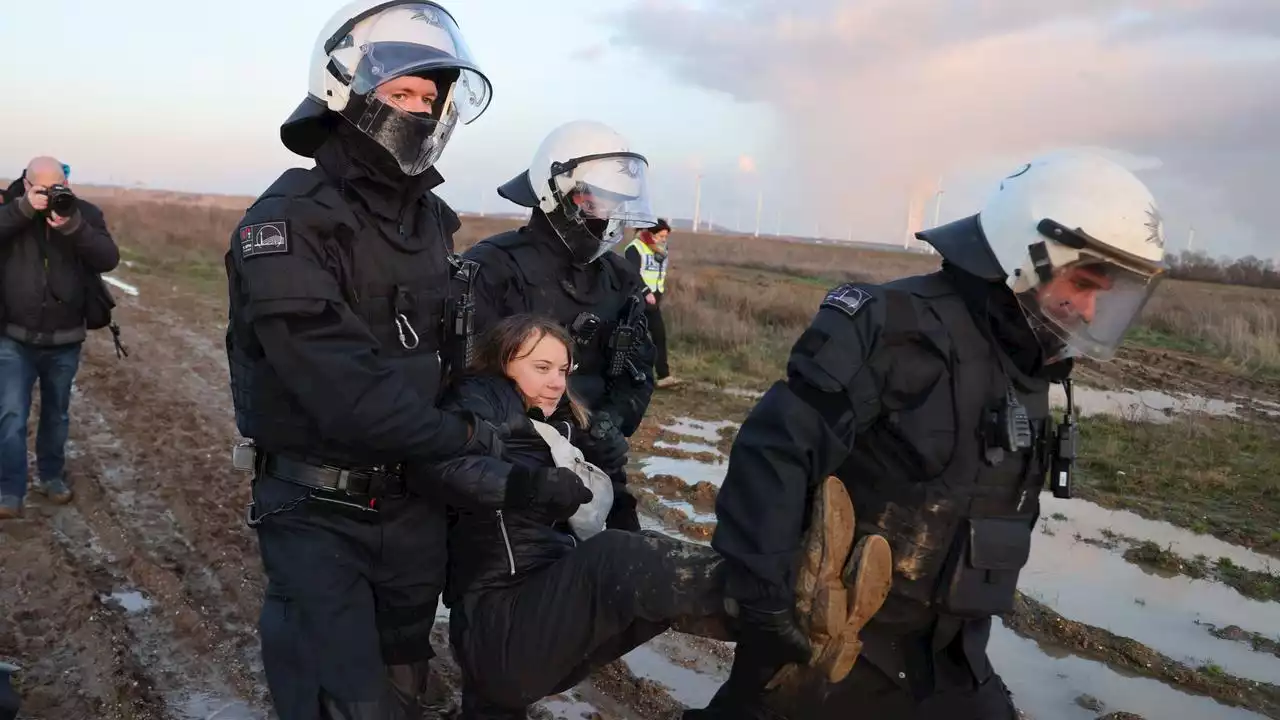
<point x="648" y="253"/>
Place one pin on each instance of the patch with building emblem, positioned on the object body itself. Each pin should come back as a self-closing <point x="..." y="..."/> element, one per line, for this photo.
<point x="847" y="298"/>
<point x="266" y="238"/>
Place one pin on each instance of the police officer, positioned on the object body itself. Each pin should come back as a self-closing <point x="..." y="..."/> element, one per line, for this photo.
<point x="584" y="186"/>
<point x="929" y="398"/>
<point x="340" y="297"/>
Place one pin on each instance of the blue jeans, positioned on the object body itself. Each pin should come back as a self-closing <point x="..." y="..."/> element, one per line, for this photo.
<point x="20" y="366"/>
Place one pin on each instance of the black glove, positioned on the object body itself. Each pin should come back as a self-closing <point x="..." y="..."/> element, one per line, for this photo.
<point x="774" y="633"/>
<point x="622" y="516"/>
<point x="557" y="489"/>
<point x="604" y="445"/>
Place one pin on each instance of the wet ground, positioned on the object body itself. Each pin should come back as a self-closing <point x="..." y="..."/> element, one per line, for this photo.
<point x="139" y="599"/>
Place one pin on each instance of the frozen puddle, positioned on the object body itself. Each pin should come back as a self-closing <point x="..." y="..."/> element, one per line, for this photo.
<point x="708" y="430"/>
<point x="1099" y="587"/>
<point x="1141" y="405"/>
<point x="1090" y="520"/>
<point x="1045" y="682"/>
<point x="691" y="472"/>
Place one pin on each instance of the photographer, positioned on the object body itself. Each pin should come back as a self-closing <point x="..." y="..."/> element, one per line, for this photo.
<point x="51" y="242"/>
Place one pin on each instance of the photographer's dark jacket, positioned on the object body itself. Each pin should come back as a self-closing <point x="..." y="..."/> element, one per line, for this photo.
<point x="43" y="270"/>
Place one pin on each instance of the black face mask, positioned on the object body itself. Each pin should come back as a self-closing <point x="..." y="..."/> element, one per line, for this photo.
<point x="582" y="237"/>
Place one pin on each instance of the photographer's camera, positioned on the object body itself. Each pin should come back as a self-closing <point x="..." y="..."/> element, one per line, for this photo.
<point x="61" y="199"/>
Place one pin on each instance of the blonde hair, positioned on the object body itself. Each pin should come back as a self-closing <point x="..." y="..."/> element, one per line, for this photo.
<point x="501" y="344"/>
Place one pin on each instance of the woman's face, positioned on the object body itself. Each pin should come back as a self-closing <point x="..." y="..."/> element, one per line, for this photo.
<point x="541" y="370"/>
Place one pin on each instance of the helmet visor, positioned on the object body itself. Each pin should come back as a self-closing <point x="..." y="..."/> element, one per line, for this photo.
<point x="417" y="39"/>
<point x="1086" y="308"/>
<point x="612" y="188"/>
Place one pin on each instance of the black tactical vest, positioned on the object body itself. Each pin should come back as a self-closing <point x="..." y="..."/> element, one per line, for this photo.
<point x="543" y="285"/>
<point x="404" y="298"/>
<point x="954" y="493"/>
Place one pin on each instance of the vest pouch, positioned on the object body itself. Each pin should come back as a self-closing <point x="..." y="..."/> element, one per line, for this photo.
<point x="989" y="555"/>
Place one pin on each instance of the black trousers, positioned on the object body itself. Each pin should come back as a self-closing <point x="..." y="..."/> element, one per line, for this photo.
<point x="350" y="601"/>
<point x="867" y="692"/>
<point x="613" y="593"/>
<point x="658" y="331"/>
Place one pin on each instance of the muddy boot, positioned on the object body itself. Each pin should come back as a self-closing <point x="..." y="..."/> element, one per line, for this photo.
<point x="10" y="508"/>
<point x="55" y="490"/>
<point x="837" y="590"/>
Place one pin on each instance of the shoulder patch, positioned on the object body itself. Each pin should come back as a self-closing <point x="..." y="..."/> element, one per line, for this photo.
<point x="847" y="298"/>
<point x="266" y="238"/>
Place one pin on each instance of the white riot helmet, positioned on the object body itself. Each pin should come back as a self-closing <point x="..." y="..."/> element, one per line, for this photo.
<point x="368" y="43"/>
<point x="1080" y="241"/>
<point x="590" y="185"/>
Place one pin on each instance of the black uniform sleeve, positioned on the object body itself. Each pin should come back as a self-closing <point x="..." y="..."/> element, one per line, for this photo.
<point x="94" y="245"/>
<point x="633" y="257"/>
<point x="15" y="217"/>
<point x="627" y="400"/>
<point x="474" y="481"/>
<point x="797" y="434"/>
<point x="490" y="286"/>
<point x="322" y="351"/>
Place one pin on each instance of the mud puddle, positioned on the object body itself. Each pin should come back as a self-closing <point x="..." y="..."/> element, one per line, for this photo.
<point x="687" y="469"/>
<point x="688" y="447"/>
<point x="569" y="706"/>
<point x="689" y="687"/>
<point x="1097" y="586"/>
<point x="1048" y="682"/>
<point x="131" y="601"/>
<point x="1151" y="406"/>
<point x="1091" y="520"/>
<point x="708" y="430"/>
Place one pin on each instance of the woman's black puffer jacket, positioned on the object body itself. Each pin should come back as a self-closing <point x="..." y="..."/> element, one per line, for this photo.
<point x="489" y="546"/>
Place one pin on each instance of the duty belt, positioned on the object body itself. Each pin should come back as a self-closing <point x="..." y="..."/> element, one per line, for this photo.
<point x="374" y="482"/>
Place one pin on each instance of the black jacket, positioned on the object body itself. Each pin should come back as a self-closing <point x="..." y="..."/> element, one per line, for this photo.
<point x="490" y="547"/>
<point x="339" y="283"/>
<point x="45" y="269"/>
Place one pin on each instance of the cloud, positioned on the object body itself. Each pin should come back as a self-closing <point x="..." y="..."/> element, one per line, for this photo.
<point x="876" y="95"/>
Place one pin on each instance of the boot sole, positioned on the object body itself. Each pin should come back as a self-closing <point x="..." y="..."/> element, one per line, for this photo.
<point x="821" y="597"/>
<point x="868" y="575"/>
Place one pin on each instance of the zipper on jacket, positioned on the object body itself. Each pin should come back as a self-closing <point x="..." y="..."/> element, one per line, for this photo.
<point x="511" y="558"/>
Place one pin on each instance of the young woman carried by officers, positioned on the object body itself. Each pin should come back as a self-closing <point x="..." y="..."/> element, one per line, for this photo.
<point x="540" y="594"/>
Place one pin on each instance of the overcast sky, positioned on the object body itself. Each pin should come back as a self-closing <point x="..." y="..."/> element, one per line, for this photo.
<point x="872" y="97"/>
<point x="836" y="113"/>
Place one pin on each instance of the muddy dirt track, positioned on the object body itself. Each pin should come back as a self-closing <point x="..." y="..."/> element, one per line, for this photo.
<point x="139" y="600"/>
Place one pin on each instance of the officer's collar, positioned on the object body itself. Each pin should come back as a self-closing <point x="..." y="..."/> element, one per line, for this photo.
<point x="996" y="312"/>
